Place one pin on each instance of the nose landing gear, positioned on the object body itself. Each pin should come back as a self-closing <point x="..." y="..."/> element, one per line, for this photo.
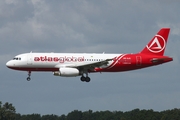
<point x="29" y="76"/>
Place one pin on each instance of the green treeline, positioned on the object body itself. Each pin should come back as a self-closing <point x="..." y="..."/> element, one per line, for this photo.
<point x="8" y="112"/>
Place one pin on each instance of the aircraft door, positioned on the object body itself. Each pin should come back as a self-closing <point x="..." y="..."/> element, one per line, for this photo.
<point x="29" y="59"/>
<point x="138" y="60"/>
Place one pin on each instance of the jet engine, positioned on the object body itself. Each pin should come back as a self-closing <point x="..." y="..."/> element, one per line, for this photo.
<point x="67" y="72"/>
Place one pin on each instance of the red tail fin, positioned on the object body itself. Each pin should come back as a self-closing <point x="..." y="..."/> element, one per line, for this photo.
<point x="158" y="43"/>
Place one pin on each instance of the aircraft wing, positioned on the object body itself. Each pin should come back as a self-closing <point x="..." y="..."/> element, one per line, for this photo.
<point x="94" y="64"/>
<point x="87" y="66"/>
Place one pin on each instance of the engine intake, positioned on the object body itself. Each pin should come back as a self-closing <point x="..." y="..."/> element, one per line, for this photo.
<point x="67" y="72"/>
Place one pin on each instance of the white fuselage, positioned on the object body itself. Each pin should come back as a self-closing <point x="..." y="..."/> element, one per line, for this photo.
<point x="57" y="60"/>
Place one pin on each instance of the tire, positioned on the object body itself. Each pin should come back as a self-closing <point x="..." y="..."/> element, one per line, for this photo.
<point x="83" y="79"/>
<point x="28" y="78"/>
<point x="88" y="79"/>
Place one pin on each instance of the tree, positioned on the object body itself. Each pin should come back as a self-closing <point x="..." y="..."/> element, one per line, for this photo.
<point x="7" y="111"/>
<point x="74" y="115"/>
<point x="87" y="115"/>
<point x="49" y="117"/>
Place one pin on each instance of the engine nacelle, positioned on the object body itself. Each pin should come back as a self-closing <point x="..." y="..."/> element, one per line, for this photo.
<point x="67" y="72"/>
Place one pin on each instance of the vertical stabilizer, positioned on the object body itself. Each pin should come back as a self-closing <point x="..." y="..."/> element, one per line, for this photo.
<point x="158" y="43"/>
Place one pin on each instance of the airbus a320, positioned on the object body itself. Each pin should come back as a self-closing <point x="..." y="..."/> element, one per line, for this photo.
<point x="80" y="64"/>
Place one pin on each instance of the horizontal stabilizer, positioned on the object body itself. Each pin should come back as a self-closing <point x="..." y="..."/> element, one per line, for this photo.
<point x="159" y="60"/>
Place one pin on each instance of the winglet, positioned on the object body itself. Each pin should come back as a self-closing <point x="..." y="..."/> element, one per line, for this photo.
<point x="158" y="43"/>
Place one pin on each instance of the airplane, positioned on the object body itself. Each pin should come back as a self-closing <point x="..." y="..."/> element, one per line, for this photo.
<point x="81" y="64"/>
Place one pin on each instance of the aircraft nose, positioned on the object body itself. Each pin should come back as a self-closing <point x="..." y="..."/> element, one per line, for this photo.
<point x="9" y="64"/>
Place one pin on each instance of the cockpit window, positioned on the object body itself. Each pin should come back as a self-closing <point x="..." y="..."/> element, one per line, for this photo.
<point x="16" y="58"/>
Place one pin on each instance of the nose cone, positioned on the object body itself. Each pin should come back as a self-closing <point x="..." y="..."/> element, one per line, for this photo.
<point x="9" y="64"/>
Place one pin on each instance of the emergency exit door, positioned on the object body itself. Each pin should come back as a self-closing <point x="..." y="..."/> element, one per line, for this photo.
<point x="138" y="60"/>
<point x="29" y="59"/>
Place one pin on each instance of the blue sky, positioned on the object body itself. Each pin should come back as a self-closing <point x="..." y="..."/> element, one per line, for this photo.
<point x="89" y="26"/>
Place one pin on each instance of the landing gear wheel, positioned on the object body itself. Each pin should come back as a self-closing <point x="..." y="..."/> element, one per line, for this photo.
<point x="88" y="79"/>
<point x="28" y="78"/>
<point x="83" y="79"/>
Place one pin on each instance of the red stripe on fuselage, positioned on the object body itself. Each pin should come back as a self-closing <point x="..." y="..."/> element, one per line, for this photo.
<point x="34" y="69"/>
<point x="115" y="61"/>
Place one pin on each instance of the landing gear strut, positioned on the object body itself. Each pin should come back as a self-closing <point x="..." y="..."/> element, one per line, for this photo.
<point x="29" y="76"/>
<point x="85" y="79"/>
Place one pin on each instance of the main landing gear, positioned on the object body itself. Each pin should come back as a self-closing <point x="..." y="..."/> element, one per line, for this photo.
<point x="29" y="76"/>
<point x="85" y="79"/>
